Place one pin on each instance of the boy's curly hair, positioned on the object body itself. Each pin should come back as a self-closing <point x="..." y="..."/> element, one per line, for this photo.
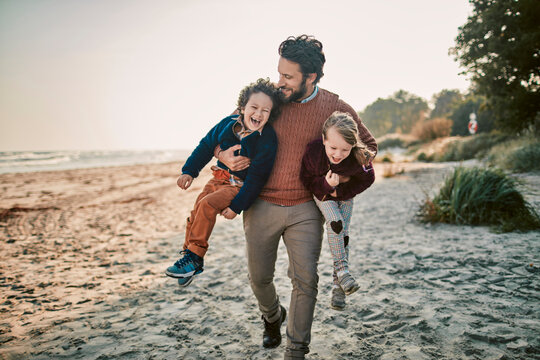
<point x="261" y="86"/>
<point x="306" y="51"/>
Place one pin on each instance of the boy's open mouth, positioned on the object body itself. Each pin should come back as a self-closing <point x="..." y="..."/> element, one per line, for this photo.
<point x="255" y="122"/>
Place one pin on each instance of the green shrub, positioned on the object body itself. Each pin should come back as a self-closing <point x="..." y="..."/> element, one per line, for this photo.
<point x="477" y="196"/>
<point x="520" y="155"/>
<point x="423" y="157"/>
<point x="390" y="143"/>
<point x="387" y="159"/>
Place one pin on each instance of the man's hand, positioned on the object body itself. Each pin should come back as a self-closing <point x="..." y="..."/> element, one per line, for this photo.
<point x="233" y="162"/>
<point x="184" y="181"/>
<point x="332" y="179"/>
<point x="228" y="213"/>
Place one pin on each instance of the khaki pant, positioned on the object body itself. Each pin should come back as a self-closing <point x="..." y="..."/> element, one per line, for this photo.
<point x="301" y="227"/>
<point x="215" y="197"/>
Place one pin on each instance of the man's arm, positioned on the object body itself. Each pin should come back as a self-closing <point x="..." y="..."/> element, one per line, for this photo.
<point x="232" y="161"/>
<point x="363" y="132"/>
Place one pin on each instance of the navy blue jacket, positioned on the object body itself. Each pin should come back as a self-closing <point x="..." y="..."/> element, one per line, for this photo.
<point x="259" y="147"/>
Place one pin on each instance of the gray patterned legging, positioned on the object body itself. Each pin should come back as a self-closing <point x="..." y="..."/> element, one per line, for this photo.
<point x="337" y="215"/>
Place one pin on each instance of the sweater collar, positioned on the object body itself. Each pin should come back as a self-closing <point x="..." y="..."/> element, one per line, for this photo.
<point x="310" y="97"/>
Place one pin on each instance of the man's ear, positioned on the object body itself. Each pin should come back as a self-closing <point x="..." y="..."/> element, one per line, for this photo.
<point x="311" y="78"/>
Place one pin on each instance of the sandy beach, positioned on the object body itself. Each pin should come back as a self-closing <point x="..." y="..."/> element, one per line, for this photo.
<point x="83" y="254"/>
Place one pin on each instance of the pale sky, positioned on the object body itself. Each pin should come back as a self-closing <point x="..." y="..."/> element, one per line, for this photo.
<point x="134" y="74"/>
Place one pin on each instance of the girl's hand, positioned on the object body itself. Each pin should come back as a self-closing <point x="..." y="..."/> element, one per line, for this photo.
<point x="228" y="213"/>
<point x="184" y="181"/>
<point x="332" y="179"/>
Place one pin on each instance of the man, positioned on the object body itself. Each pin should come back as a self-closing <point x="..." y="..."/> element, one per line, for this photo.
<point x="285" y="209"/>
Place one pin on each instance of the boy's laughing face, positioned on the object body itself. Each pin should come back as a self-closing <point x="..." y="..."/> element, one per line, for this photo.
<point x="257" y="111"/>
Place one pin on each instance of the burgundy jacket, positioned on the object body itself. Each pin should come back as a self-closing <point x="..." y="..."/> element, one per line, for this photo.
<point x="315" y="165"/>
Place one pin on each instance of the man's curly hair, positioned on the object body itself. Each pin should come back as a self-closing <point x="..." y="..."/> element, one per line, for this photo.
<point x="306" y="51"/>
<point x="261" y="86"/>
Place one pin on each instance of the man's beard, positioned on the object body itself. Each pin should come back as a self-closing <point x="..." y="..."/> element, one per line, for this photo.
<point x="297" y="95"/>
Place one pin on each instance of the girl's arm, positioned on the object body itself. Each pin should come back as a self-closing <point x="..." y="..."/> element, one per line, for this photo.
<point x="357" y="184"/>
<point x="314" y="182"/>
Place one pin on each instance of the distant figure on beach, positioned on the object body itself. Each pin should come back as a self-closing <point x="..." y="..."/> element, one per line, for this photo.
<point x="285" y="208"/>
<point x="229" y="192"/>
<point x="335" y="169"/>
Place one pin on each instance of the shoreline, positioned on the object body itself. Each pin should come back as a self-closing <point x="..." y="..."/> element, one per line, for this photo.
<point x="82" y="275"/>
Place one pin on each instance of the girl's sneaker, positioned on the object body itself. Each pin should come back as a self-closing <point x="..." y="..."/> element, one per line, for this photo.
<point x="338" y="298"/>
<point x="347" y="283"/>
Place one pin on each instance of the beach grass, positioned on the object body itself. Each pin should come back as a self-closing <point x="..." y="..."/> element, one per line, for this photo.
<point x="518" y="155"/>
<point x="480" y="196"/>
<point x="470" y="147"/>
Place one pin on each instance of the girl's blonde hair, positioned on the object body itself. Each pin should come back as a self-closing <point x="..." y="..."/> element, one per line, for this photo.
<point x="348" y="129"/>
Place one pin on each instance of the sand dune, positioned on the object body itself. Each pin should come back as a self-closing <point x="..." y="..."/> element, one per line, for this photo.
<point x="83" y="253"/>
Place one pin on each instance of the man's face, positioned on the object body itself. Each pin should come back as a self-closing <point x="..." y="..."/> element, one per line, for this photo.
<point x="292" y="84"/>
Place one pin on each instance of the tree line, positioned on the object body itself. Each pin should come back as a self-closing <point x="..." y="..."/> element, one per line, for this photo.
<point x="499" y="48"/>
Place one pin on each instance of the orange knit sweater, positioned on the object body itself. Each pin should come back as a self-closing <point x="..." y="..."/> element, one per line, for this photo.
<point x="297" y="125"/>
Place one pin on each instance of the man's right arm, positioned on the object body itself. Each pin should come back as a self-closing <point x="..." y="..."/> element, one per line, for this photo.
<point x="232" y="161"/>
<point x="363" y="132"/>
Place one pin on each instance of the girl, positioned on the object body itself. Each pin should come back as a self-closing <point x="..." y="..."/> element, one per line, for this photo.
<point x="335" y="169"/>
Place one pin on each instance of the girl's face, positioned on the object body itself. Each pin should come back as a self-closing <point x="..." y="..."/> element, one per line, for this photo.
<point x="337" y="149"/>
<point x="257" y="111"/>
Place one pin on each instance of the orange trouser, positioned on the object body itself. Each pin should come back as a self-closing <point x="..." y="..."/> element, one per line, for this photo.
<point x="215" y="197"/>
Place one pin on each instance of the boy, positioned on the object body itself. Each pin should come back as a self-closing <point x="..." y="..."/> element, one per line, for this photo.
<point x="228" y="192"/>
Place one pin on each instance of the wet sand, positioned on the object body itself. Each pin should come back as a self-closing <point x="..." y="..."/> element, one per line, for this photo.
<point x="83" y="254"/>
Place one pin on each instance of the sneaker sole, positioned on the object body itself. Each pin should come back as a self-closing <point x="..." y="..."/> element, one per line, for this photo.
<point x="338" y="308"/>
<point x="352" y="290"/>
<point x="184" y="275"/>
<point x="188" y="282"/>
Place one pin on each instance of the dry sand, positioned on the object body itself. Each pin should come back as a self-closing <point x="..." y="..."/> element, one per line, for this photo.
<point x="83" y="253"/>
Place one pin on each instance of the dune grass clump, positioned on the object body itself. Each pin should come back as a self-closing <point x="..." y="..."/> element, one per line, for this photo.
<point x="520" y="155"/>
<point x="471" y="147"/>
<point x="477" y="196"/>
<point x="395" y="140"/>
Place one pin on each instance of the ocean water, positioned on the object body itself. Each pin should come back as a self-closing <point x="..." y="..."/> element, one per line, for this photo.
<point x="26" y="161"/>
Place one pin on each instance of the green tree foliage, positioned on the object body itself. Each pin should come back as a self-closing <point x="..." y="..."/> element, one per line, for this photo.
<point x="499" y="47"/>
<point x="461" y="116"/>
<point x="445" y="102"/>
<point x="398" y="113"/>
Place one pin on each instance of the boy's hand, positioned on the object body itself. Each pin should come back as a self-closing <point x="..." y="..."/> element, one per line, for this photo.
<point x="184" y="181"/>
<point x="228" y="214"/>
<point x="332" y="179"/>
<point x="233" y="162"/>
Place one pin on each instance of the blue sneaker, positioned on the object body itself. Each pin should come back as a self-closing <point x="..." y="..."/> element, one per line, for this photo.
<point x="185" y="281"/>
<point x="187" y="266"/>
